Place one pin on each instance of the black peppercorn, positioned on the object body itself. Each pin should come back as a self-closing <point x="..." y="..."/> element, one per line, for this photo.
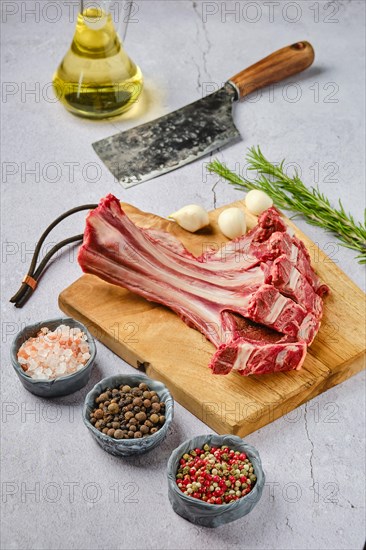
<point x="140" y="416"/>
<point x="102" y="397"/>
<point x="127" y="412"/>
<point x="154" y="418"/>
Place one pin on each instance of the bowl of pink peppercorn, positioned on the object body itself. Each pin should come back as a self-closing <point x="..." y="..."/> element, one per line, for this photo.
<point x="214" y="479"/>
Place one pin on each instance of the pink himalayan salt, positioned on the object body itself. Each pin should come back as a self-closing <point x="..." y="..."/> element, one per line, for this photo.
<point x="52" y="354"/>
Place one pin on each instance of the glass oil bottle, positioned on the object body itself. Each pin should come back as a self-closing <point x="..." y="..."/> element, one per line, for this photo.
<point x="96" y="78"/>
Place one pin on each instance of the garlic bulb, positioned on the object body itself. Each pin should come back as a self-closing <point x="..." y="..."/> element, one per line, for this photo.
<point x="232" y="222"/>
<point x="257" y="201"/>
<point x="191" y="217"/>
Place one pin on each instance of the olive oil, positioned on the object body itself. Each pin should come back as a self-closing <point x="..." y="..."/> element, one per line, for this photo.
<point x="96" y="78"/>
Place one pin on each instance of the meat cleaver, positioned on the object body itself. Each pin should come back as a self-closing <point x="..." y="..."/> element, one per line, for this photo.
<point x="175" y="139"/>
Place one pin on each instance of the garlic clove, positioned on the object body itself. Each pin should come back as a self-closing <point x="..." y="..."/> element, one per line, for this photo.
<point x="232" y="222"/>
<point x="191" y="217"/>
<point x="258" y="201"/>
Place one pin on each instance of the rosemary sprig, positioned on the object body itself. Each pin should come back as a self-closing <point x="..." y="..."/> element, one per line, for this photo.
<point x="291" y="194"/>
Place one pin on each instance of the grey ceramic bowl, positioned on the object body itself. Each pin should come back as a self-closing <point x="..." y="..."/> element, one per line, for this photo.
<point x="200" y="512"/>
<point x="129" y="447"/>
<point x="59" y="386"/>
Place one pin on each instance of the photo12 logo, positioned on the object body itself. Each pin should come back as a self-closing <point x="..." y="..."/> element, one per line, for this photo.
<point x="37" y="413"/>
<point x="292" y="492"/>
<point x="290" y="92"/>
<point x="270" y="12"/>
<point x="253" y="412"/>
<point x="51" y="12"/>
<point x="69" y="491"/>
<point x="51" y="172"/>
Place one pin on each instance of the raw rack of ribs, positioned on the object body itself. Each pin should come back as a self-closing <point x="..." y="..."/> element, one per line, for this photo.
<point x="257" y="299"/>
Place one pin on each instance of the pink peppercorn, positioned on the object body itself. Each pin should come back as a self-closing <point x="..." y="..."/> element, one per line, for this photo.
<point x="218" y="487"/>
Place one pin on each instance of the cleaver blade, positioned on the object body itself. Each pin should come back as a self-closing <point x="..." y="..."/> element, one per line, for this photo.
<point x="175" y="139"/>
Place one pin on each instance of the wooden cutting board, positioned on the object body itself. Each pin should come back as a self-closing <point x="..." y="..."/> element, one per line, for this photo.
<point x="152" y="338"/>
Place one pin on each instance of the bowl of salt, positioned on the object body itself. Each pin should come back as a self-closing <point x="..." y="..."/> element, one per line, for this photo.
<point x="54" y="357"/>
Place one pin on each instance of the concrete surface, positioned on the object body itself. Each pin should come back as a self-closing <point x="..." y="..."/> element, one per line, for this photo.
<point x="59" y="489"/>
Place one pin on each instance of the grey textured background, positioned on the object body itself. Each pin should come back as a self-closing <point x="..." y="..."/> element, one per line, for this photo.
<point x="84" y="498"/>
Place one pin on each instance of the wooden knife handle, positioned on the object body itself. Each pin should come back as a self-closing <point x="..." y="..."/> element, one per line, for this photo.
<point x="273" y="68"/>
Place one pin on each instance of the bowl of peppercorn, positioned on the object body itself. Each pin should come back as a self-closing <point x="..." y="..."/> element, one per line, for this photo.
<point x="128" y="414"/>
<point x="214" y="479"/>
